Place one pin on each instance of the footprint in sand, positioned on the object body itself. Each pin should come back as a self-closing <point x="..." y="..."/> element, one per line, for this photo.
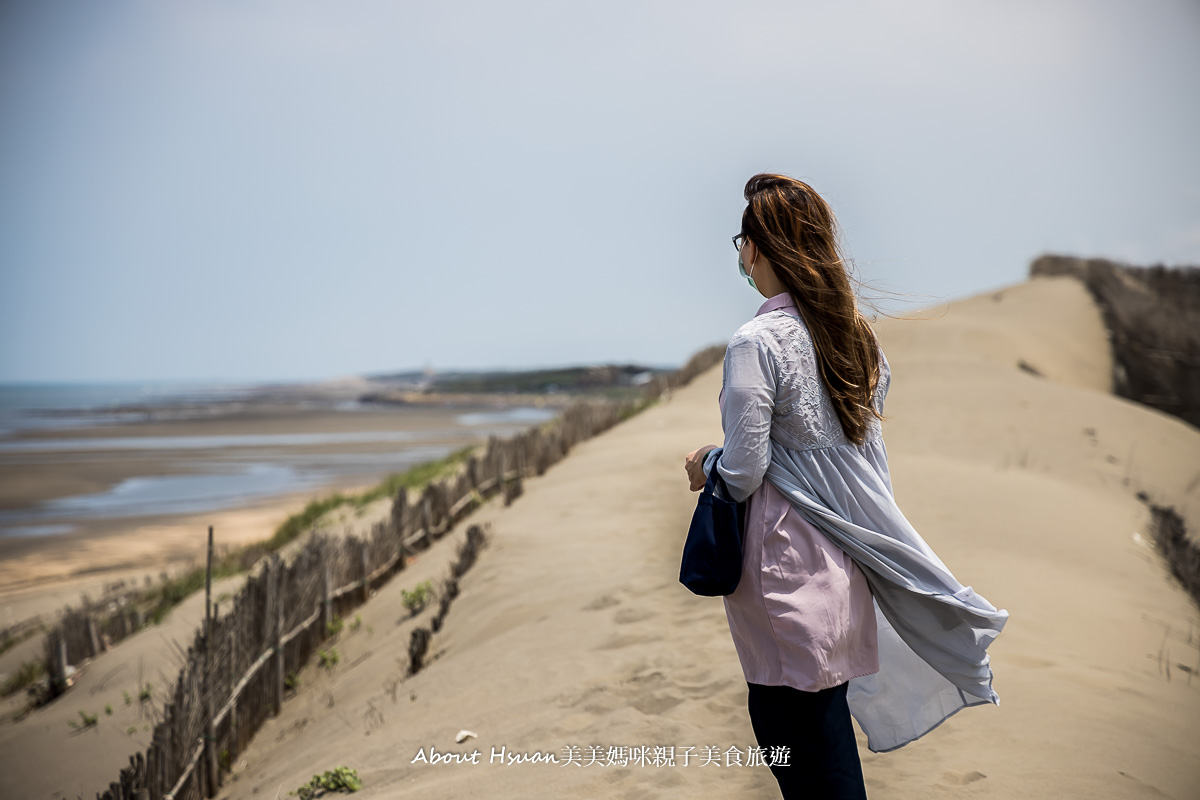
<point x="666" y="779"/>
<point x="694" y="676"/>
<point x="1031" y="662"/>
<point x="963" y="780"/>
<point x="1147" y="786"/>
<point x="601" y="602"/>
<point x="649" y="693"/>
<point x="617" y="642"/>
<point x="655" y="704"/>
<point x="713" y="689"/>
<point x="595" y="700"/>
<point x="627" y="615"/>
<point x="717" y="707"/>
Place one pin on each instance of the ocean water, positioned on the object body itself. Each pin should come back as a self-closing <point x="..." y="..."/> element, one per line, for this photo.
<point x="208" y="442"/>
<point x="232" y="469"/>
<point x="34" y="406"/>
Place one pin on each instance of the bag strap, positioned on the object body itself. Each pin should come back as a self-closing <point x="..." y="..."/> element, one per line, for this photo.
<point x="714" y="477"/>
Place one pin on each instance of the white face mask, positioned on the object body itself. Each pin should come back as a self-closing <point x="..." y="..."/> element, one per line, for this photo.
<point x="742" y="269"/>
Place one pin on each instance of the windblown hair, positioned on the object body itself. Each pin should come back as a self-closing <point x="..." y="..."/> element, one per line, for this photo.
<point x="796" y="231"/>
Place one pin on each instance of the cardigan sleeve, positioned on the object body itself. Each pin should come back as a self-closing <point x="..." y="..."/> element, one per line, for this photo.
<point x="746" y="411"/>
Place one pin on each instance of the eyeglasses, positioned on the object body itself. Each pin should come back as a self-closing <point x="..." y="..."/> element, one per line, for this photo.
<point x="737" y="245"/>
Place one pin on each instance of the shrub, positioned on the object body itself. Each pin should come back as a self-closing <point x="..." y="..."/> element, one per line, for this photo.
<point x="24" y="677"/>
<point x="89" y="720"/>
<point x="340" y="779"/>
<point x="415" y="600"/>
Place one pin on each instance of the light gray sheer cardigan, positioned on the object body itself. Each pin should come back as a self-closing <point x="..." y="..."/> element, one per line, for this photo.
<point x="780" y="425"/>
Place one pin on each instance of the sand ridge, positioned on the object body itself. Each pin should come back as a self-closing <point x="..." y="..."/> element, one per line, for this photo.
<point x="572" y="628"/>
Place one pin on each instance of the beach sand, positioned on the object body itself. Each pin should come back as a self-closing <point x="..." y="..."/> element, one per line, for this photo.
<point x="573" y="630"/>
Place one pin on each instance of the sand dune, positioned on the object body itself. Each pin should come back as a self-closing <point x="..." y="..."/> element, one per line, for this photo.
<point x="572" y="628"/>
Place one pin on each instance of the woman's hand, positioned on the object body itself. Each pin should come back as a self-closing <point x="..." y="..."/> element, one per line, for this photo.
<point x="693" y="462"/>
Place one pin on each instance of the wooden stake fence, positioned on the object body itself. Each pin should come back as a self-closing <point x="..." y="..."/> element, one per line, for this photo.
<point x="235" y="672"/>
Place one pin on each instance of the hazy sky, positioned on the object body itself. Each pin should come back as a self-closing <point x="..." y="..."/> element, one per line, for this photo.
<point x="279" y="190"/>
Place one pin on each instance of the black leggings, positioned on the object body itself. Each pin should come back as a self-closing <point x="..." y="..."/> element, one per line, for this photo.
<point x="822" y="756"/>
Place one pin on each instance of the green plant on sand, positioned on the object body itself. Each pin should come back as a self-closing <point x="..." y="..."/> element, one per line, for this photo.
<point x="237" y="560"/>
<point x="339" y="779"/>
<point x="415" y="600"/>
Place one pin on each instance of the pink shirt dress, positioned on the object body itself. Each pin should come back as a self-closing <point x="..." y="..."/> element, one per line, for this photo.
<point x="802" y="614"/>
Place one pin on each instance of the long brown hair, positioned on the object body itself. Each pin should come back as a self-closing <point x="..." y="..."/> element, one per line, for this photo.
<point x="797" y="232"/>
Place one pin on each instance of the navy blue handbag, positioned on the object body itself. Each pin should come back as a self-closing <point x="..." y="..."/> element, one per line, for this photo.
<point x="712" y="554"/>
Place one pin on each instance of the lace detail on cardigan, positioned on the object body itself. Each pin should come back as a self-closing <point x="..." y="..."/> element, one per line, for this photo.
<point x="804" y="417"/>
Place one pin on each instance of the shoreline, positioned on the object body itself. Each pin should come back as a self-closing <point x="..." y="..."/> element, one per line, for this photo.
<point x="67" y="462"/>
<point x="41" y="573"/>
<point x="57" y="574"/>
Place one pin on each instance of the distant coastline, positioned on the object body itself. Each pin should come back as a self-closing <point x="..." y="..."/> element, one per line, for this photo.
<point x="86" y="460"/>
<point x="30" y="408"/>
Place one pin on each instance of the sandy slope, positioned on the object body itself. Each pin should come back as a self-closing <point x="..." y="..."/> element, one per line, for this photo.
<point x="572" y="628"/>
<point x="30" y="749"/>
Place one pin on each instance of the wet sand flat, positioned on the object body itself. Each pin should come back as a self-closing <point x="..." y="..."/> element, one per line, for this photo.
<point x="41" y="573"/>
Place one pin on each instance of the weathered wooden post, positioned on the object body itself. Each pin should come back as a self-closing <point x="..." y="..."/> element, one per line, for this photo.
<point x="519" y="486"/>
<point x="278" y="645"/>
<point x="56" y="661"/>
<point x="489" y="455"/>
<point x="364" y="568"/>
<point x="181" y="748"/>
<point x="170" y="760"/>
<point x="93" y="634"/>
<point x="159" y="784"/>
<point x="399" y="514"/>
<point x="536" y="448"/>
<point x="162" y="759"/>
<point x="441" y="494"/>
<point x="439" y="508"/>
<point x="501" y="485"/>
<point x="235" y="700"/>
<point x="148" y="785"/>
<point x="210" y="733"/>
<point x="153" y="771"/>
<point x="274" y="587"/>
<point x="326" y="600"/>
<point x="426" y="520"/>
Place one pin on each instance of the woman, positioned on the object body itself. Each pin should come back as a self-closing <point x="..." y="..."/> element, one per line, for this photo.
<point x="842" y="608"/>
